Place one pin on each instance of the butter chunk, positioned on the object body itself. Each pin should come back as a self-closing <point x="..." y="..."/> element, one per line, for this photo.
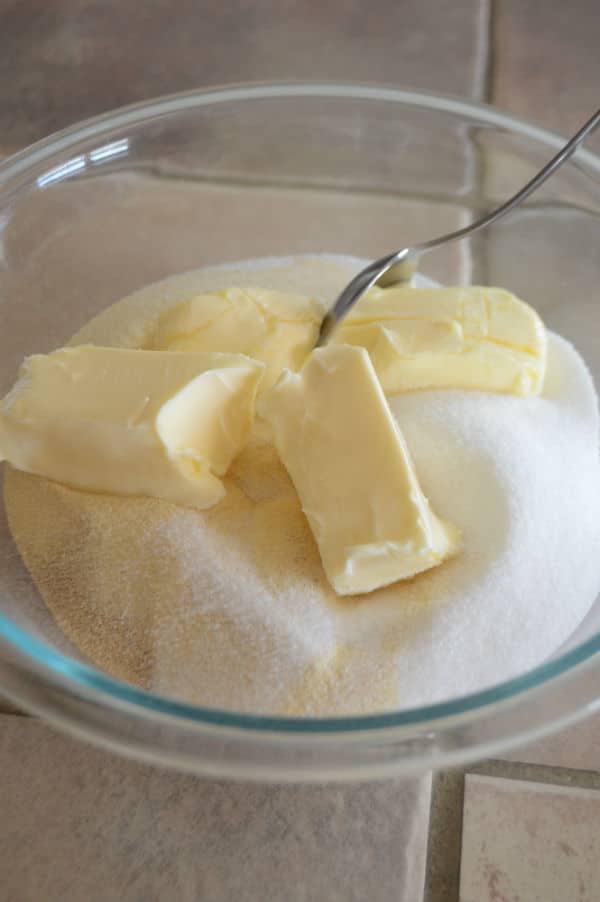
<point x="350" y="465"/>
<point x="276" y="328"/>
<point x="470" y="338"/>
<point x="163" y="424"/>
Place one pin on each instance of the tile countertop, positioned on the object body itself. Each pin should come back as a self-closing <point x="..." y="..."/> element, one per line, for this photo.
<point x="70" y="59"/>
<point x="106" y="829"/>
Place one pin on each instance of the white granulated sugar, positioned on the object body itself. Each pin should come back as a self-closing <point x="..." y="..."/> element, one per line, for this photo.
<point x="230" y="607"/>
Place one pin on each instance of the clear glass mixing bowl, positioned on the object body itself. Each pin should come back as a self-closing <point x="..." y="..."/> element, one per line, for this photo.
<point x="120" y="201"/>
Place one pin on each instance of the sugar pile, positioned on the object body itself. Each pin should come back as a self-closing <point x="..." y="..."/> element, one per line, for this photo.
<point x="230" y="607"/>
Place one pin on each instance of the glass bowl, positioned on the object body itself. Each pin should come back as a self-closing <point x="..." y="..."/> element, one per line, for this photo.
<point x="117" y="202"/>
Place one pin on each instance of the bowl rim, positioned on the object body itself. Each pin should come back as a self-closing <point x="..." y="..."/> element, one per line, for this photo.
<point x="66" y="674"/>
<point x="146" y="110"/>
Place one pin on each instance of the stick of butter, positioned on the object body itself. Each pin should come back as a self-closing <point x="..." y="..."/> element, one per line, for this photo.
<point x="279" y="329"/>
<point x="164" y="424"/>
<point x="473" y="338"/>
<point x="350" y="465"/>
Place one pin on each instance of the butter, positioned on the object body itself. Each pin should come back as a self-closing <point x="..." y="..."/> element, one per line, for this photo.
<point x="276" y="328"/>
<point x="162" y="424"/>
<point x="427" y="338"/>
<point x="350" y="465"/>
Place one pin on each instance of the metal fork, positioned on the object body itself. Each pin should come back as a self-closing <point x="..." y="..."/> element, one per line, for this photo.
<point x="400" y="266"/>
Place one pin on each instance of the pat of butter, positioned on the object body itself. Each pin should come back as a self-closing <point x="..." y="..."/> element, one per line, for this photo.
<point x="163" y="424"/>
<point x="471" y="338"/>
<point x="276" y="328"/>
<point x="350" y="465"/>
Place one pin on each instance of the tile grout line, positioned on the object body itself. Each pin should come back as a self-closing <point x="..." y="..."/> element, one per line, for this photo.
<point x="482" y="81"/>
<point x="546" y="774"/>
<point x="225" y="181"/>
<point x="486" y="95"/>
<point x="484" y="54"/>
<point x="442" y="861"/>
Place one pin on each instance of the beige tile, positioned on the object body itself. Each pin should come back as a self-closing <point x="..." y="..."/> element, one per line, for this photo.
<point x="69" y="59"/>
<point x="326" y="143"/>
<point x="576" y="747"/>
<point x="546" y="61"/>
<point x="80" y="824"/>
<point x="528" y="842"/>
<point x="509" y="161"/>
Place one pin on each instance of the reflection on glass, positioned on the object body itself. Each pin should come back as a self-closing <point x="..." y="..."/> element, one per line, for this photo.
<point x="108" y="151"/>
<point x="66" y="170"/>
<point x="78" y="164"/>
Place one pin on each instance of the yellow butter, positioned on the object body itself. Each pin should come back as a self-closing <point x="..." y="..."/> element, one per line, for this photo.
<point x="163" y="424"/>
<point x="472" y="338"/>
<point x="350" y="465"/>
<point x="278" y="329"/>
